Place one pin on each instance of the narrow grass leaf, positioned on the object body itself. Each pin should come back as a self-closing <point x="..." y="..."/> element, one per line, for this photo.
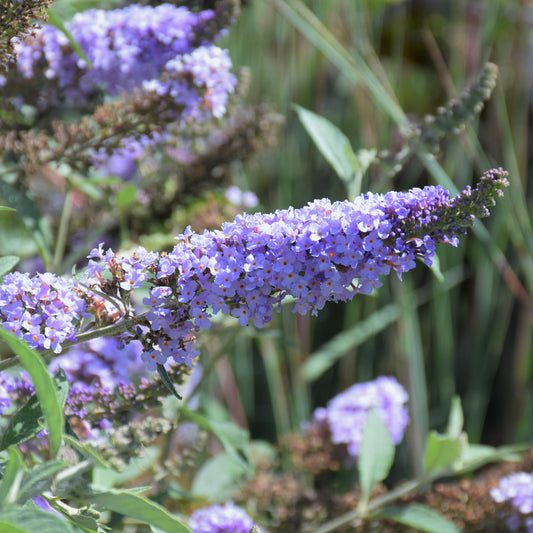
<point x="44" y="388"/>
<point x="420" y="517"/>
<point x="351" y="64"/>
<point x="135" y="506"/>
<point x="376" y="453"/>
<point x="54" y="20"/>
<point x="165" y="378"/>
<point x="330" y="352"/>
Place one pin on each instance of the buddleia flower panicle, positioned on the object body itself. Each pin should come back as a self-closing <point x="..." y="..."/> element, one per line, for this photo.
<point x="154" y="47"/>
<point x="517" y="490"/>
<point x="326" y="251"/>
<point x="227" y="518"/>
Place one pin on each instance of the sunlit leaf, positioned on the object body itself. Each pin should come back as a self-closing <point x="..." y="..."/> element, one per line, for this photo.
<point x="135" y="506"/>
<point x="44" y="388"/>
<point x="376" y="453"/>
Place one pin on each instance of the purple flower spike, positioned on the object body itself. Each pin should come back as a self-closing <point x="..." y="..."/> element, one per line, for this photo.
<point x="157" y="47"/>
<point x="322" y="252"/>
<point x="517" y="489"/>
<point x="226" y="518"/>
<point x="345" y="416"/>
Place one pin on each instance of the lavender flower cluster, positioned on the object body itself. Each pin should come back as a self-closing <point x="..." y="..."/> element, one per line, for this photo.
<point x="106" y="361"/>
<point x="517" y="489"/>
<point x="345" y="416"/>
<point x="162" y="49"/>
<point x="43" y="310"/>
<point x="226" y="518"/>
<point x="323" y="252"/>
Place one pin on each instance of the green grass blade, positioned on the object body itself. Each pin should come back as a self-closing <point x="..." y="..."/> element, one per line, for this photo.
<point x="352" y="66"/>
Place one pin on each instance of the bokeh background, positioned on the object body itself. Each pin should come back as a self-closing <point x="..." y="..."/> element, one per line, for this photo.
<point x="468" y="334"/>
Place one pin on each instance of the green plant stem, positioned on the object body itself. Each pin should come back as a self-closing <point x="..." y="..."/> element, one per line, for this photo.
<point x="379" y="502"/>
<point x="62" y="233"/>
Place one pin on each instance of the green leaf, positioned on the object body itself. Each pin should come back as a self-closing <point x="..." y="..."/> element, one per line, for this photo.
<point x="475" y="456"/>
<point x="6" y="527"/>
<point x="29" y="214"/>
<point x="15" y="239"/>
<point x="217" y="478"/>
<point x="165" y="378"/>
<point x="7" y="263"/>
<point x="435" y="268"/>
<point x="30" y="520"/>
<point x="4" y="208"/>
<point x="376" y="453"/>
<point x="456" y="418"/>
<point x="135" y="506"/>
<point x="330" y="352"/>
<point x="62" y="386"/>
<point x="126" y="196"/>
<point x="54" y="20"/>
<point x="86" y="450"/>
<point x="26" y="422"/>
<point x="234" y="439"/>
<point x="331" y="142"/>
<point x="44" y="388"/>
<point x="441" y="451"/>
<point x="92" y="186"/>
<point x="12" y="478"/>
<point x="420" y="517"/>
<point x="38" y="479"/>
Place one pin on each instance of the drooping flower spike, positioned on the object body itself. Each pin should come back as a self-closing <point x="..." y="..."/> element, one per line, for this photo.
<point x="322" y="252"/>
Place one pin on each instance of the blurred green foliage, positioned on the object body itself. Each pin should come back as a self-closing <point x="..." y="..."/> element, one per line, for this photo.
<point x="469" y="334"/>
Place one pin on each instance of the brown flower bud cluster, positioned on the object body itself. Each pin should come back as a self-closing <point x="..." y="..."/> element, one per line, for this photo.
<point x="17" y="20"/>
